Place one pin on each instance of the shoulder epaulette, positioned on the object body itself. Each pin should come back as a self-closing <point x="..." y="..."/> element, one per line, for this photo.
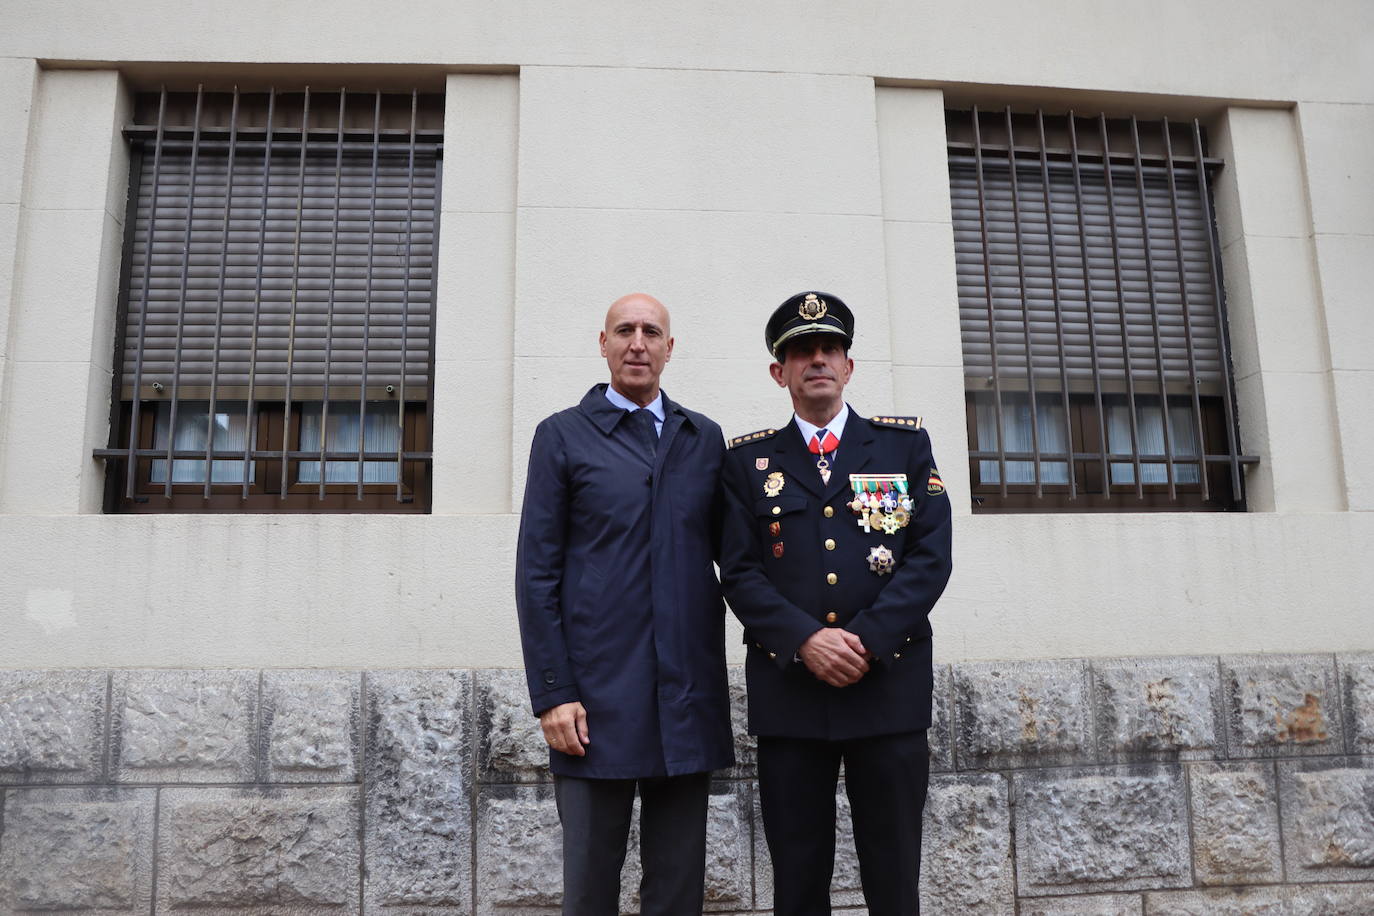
<point x="752" y="437"/>
<point x="898" y="422"/>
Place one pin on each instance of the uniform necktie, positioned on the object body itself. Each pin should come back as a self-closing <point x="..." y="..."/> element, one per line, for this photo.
<point x="822" y="444"/>
<point x="642" y="421"/>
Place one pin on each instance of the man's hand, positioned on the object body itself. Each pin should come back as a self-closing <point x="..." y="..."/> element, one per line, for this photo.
<point x="565" y="728"/>
<point x="836" y="656"/>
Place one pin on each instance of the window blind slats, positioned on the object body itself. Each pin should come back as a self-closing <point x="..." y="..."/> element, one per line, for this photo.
<point x="294" y="241"/>
<point x="1009" y="276"/>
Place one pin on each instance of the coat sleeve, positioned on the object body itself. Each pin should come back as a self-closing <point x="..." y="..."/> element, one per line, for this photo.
<point x="539" y="566"/>
<point x="778" y="624"/>
<point x="900" y="613"/>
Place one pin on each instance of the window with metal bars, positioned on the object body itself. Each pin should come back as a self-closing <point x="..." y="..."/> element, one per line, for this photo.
<point x="1097" y="370"/>
<point x="274" y="346"/>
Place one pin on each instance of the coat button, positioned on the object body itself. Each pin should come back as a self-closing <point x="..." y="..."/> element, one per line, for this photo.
<point x="550" y="677"/>
<point x="772" y="655"/>
<point x="831" y="578"/>
<point x="777" y="510"/>
<point x="829" y="543"/>
<point x="831" y="617"/>
<point x="896" y="655"/>
<point x="829" y="511"/>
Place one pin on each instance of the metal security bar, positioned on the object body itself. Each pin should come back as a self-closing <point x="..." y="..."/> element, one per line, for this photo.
<point x="275" y="347"/>
<point x="1092" y="314"/>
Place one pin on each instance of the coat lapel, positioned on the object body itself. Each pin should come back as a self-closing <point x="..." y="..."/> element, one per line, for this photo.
<point x="797" y="463"/>
<point x="674" y="419"/>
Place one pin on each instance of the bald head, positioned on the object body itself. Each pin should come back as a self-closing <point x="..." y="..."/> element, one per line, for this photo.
<point x="638" y="304"/>
<point x="637" y="343"/>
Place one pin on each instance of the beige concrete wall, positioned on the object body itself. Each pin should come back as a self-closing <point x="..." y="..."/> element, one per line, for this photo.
<point x="475" y="296"/>
<point x="1244" y="49"/>
<point x="918" y="236"/>
<point x="1279" y="344"/>
<point x="18" y="79"/>
<point x="719" y="193"/>
<point x="395" y="591"/>
<point x="1336" y="144"/>
<point x="721" y="158"/>
<point x="71" y="229"/>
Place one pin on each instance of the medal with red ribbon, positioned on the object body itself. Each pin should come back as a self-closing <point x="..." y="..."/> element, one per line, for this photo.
<point x="822" y="445"/>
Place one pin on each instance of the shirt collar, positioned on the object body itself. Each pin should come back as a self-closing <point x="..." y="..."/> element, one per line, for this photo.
<point x="654" y="407"/>
<point x="835" y="427"/>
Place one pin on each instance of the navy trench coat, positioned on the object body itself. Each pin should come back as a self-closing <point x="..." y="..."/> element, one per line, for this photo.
<point x="618" y="601"/>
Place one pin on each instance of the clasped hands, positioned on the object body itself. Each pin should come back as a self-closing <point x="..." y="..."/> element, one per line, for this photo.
<point x="836" y="656"/>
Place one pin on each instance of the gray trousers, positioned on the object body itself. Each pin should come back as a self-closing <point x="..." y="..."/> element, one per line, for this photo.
<point x="595" y="814"/>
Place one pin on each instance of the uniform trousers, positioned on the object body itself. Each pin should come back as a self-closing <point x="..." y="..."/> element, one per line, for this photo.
<point x="595" y="814"/>
<point x="885" y="778"/>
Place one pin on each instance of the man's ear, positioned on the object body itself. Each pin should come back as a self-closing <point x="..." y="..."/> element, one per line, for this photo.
<point x="602" y="340"/>
<point x="775" y="370"/>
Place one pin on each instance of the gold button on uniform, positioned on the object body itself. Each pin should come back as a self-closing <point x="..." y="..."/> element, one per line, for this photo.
<point x="896" y="655"/>
<point x="831" y="617"/>
<point x="777" y="510"/>
<point x="831" y="578"/>
<point x="772" y="655"/>
<point x="829" y="543"/>
<point x="829" y="511"/>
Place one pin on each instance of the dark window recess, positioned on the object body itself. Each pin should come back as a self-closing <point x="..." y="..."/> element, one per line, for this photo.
<point x="1090" y="302"/>
<point x="276" y="317"/>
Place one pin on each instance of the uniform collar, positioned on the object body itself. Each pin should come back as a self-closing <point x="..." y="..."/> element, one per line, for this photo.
<point x="834" y="427"/>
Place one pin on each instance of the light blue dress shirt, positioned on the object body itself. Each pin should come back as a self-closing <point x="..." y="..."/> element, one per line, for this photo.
<point x="654" y="407"/>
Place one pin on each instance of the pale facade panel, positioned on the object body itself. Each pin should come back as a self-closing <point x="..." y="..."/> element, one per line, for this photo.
<point x="719" y="274"/>
<point x="18" y="81"/>
<point x="391" y="591"/>
<point x="63" y="317"/>
<point x="1336" y="144"/>
<point x="1273" y="50"/>
<point x="475" y="296"/>
<point x="1279" y="348"/>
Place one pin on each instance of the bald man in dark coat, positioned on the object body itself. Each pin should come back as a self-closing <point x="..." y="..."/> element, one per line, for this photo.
<point x="622" y="621"/>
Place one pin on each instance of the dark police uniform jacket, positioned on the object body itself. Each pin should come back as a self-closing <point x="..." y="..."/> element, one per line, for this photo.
<point x="795" y="559"/>
<point x="618" y="600"/>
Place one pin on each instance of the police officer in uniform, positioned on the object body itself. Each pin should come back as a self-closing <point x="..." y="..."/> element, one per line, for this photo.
<point x="836" y="545"/>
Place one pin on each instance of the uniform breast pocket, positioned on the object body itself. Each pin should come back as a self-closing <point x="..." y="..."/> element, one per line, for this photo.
<point x="779" y="506"/>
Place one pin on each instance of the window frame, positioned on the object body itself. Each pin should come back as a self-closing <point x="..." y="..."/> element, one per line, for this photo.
<point x="129" y="487"/>
<point x="1212" y="404"/>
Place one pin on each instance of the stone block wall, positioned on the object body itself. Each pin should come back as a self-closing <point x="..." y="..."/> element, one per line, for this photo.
<point x="1143" y="786"/>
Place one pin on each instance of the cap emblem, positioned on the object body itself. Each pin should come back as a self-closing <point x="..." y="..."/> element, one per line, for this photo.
<point x="812" y="308"/>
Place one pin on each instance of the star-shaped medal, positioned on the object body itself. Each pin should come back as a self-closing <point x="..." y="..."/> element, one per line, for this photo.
<point x="880" y="560"/>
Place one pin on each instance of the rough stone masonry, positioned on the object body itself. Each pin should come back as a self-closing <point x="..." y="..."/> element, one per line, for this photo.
<point x="1142" y="786"/>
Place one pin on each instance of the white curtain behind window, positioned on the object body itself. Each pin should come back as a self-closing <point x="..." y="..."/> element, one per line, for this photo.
<point x="230" y="433"/>
<point x="1016" y="437"/>
<point x="1150" y="429"/>
<point x="383" y="434"/>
